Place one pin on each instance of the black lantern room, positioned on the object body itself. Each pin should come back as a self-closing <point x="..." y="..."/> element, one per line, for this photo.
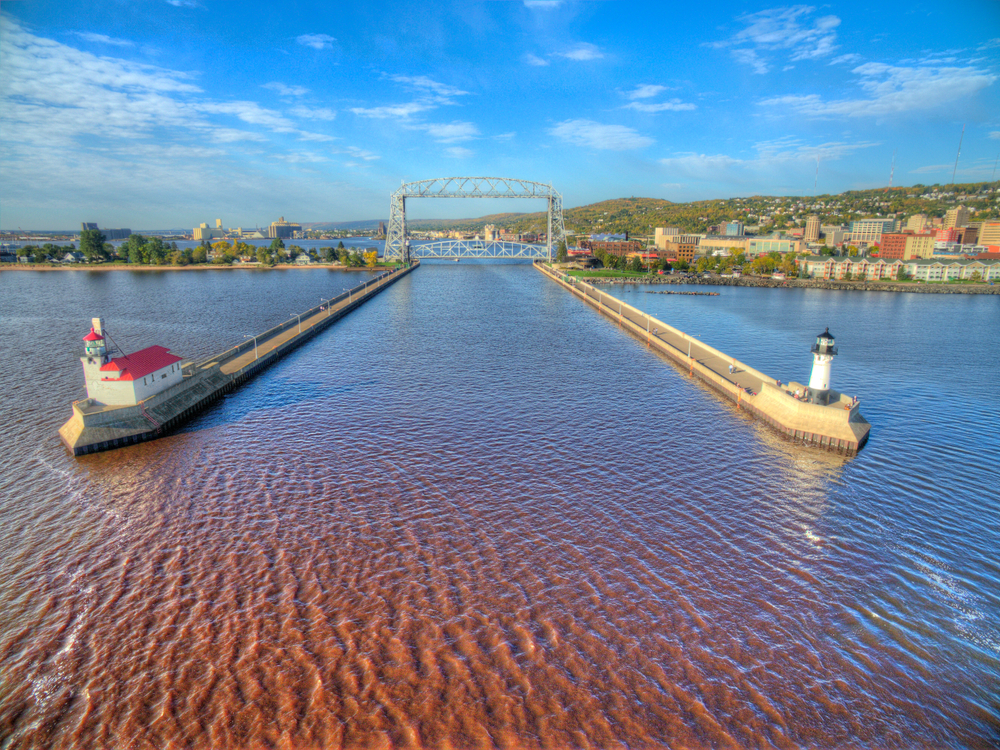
<point x="824" y="344"/>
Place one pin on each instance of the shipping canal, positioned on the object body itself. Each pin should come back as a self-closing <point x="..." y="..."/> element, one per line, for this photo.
<point x="475" y="513"/>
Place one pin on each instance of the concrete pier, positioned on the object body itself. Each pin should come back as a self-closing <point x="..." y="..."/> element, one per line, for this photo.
<point x="96" y="427"/>
<point x="836" y="426"/>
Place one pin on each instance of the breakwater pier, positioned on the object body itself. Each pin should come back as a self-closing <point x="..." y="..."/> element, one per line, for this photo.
<point x="835" y="425"/>
<point x="95" y="426"/>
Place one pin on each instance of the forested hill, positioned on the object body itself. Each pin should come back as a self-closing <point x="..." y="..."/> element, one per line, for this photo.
<point x="639" y="216"/>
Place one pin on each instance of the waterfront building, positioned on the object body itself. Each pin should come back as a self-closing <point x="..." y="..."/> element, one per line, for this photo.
<point x="709" y="244"/>
<point x="956" y="217"/>
<point x="869" y="231"/>
<point x="811" y="233"/>
<point x="765" y="245"/>
<point x="682" y="247"/>
<point x="906" y="245"/>
<point x="734" y="229"/>
<point x="877" y="269"/>
<point x="283" y="229"/>
<point x="663" y="235"/>
<point x="130" y="378"/>
<point x="109" y="234"/>
<point x="989" y="233"/>
<point x="203" y="232"/>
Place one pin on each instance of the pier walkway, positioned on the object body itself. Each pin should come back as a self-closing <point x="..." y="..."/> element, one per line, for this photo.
<point x="837" y="425"/>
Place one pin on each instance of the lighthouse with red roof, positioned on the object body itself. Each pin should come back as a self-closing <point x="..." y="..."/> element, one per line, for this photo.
<point x="130" y="378"/>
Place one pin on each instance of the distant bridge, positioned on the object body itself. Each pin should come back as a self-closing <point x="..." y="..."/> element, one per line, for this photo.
<point x="397" y="243"/>
<point x="455" y="249"/>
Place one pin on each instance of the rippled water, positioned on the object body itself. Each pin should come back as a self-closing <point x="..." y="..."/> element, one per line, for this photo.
<point x="474" y="513"/>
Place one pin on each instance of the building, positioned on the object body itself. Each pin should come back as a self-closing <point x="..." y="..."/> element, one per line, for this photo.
<point x="663" y="235"/>
<point x="283" y="229"/>
<point x="709" y="245"/>
<point x="734" y="229"/>
<point x="203" y="232"/>
<point x="834" y="236"/>
<point x="381" y="229"/>
<point x="875" y="269"/>
<point x="917" y="222"/>
<point x="956" y="217"/>
<point x="869" y="231"/>
<point x="765" y="245"/>
<point x="129" y="379"/>
<point x="615" y="247"/>
<point x="906" y="245"/>
<point x="812" y="229"/>
<point x="109" y="234"/>
<point x="490" y="233"/>
<point x="989" y="233"/>
<point x="681" y="247"/>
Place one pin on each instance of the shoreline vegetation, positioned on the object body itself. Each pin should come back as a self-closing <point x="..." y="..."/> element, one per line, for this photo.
<point x="195" y="267"/>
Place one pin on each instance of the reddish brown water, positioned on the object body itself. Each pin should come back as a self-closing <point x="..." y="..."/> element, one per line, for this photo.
<point x="475" y="514"/>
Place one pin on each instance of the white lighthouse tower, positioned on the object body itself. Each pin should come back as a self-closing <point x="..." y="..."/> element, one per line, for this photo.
<point x="823" y="351"/>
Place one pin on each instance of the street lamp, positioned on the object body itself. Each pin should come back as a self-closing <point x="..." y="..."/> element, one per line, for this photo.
<point x="254" y="337"/>
<point x="328" y="305"/>
<point x="299" y="316"/>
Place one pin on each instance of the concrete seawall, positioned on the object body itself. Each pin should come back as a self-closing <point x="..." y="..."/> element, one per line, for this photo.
<point x="95" y="427"/>
<point x="837" y="426"/>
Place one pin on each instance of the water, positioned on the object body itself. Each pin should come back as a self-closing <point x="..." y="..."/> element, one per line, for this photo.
<point x="474" y="513"/>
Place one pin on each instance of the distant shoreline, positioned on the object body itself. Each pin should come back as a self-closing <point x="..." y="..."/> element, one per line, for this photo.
<point x="193" y="267"/>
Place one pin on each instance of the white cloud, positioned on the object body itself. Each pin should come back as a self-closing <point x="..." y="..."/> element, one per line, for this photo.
<point x="646" y="91"/>
<point x="103" y="39"/>
<point x="458" y="152"/>
<point x="284" y="90"/>
<point x="184" y="3"/>
<point x="393" y="110"/>
<point x="892" y="90"/>
<point x="452" y="132"/>
<point x="931" y="168"/>
<point x="314" y="113"/>
<point x="543" y="4"/>
<point x="316" y="41"/>
<point x="772" y="158"/>
<point x="848" y="59"/>
<point x="361" y="153"/>
<point x="595" y="135"/>
<point x="423" y="83"/>
<point x="582" y="51"/>
<point x="535" y="60"/>
<point x="995" y="135"/>
<point x="782" y="29"/>
<point x="250" y="112"/>
<point x="675" y="105"/>
<point x="504" y="136"/>
<point x="749" y="57"/>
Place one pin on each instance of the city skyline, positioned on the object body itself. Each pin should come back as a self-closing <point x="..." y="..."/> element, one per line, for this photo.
<point x="176" y="112"/>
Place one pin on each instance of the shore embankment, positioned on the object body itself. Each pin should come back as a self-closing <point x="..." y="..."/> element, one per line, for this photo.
<point x="767" y="283"/>
<point x="836" y="425"/>
<point x="97" y="427"/>
<point x="101" y="267"/>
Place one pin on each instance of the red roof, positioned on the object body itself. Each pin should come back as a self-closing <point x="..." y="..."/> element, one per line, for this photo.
<point x="139" y="364"/>
<point x="93" y="336"/>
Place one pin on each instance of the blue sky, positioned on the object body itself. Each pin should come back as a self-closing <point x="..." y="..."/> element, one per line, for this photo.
<point x="166" y="113"/>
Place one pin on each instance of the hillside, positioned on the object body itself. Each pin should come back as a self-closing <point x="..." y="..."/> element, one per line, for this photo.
<point x="639" y="216"/>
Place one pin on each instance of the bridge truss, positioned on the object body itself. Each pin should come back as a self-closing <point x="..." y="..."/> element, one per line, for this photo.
<point x="455" y="249"/>
<point x="397" y="243"/>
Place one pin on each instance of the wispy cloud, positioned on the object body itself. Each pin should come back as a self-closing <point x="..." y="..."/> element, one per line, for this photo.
<point x="931" y="169"/>
<point x="646" y="91"/>
<point x="429" y="85"/>
<point x="535" y="60"/>
<point x="892" y="90"/>
<point x="316" y="41"/>
<point x="542" y="4"/>
<point x="598" y="136"/>
<point x="314" y="113"/>
<point x="675" y="105"/>
<point x="359" y="153"/>
<point x="393" y="110"/>
<point x="782" y="29"/>
<point x="458" y="152"/>
<point x="430" y="94"/>
<point x="452" y="132"/>
<point x="582" y="51"/>
<point x="103" y="39"/>
<point x="184" y="3"/>
<point x="284" y="90"/>
<point x="848" y="59"/>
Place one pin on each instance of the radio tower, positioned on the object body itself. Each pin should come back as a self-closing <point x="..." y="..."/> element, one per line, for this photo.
<point x="958" y="154"/>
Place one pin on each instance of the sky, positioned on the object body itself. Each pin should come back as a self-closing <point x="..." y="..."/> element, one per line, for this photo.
<point x="155" y="114"/>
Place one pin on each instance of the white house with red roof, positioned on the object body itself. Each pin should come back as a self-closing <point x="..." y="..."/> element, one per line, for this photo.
<point x="130" y="378"/>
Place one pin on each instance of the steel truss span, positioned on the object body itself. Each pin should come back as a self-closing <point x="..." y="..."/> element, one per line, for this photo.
<point x="397" y="244"/>
<point x="477" y="249"/>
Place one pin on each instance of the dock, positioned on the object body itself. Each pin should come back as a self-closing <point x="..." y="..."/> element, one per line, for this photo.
<point x="836" y="426"/>
<point x="96" y="427"/>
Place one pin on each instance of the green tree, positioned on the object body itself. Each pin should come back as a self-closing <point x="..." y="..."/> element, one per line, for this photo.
<point x="276" y="245"/>
<point x="92" y="244"/>
<point x="635" y="264"/>
<point x="263" y="257"/>
<point x="340" y="245"/>
<point x="135" y="249"/>
<point x="329" y="254"/>
<point x="343" y="255"/>
<point x="199" y="255"/>
<point x="848" y="276"/>
<point x="976" y="276"/>
<point x="562" y="254"/>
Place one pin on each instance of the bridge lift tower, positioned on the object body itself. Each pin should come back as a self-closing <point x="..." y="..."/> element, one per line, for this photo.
<point x="397" y="245"/>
